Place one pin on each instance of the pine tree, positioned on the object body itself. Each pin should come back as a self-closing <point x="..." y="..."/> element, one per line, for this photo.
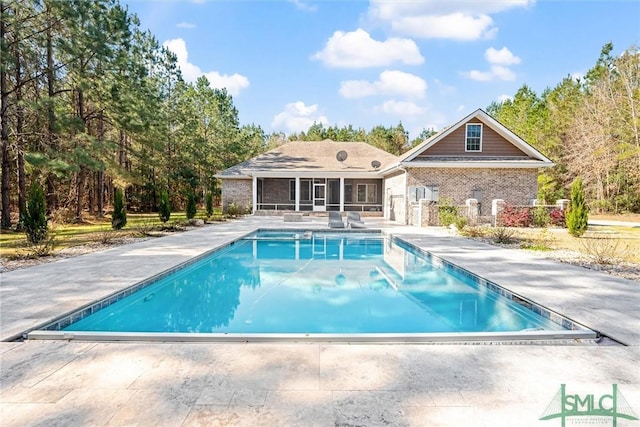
<point x="577" y="214"/>
<point x="164" y="208"/>
<point x="209" y="205"/>
<point x="191" y="205"/>
<point x="34" y="219"/>
<point x="119" y="218"/>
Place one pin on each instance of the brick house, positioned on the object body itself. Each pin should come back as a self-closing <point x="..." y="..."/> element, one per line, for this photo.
<point x="476" y="158"/>
<point x="309" y="176"/>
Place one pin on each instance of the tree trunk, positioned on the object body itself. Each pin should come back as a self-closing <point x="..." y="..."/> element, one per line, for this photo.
<point x="22" y="186"/>
<point x="52" y="199"/>
<point x="80" y="181"/>
<point x="5" y="220"/>
<point x="99" y="188"/>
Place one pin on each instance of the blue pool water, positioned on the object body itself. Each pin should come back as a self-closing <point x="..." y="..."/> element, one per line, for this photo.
<point x="315" y="283"/>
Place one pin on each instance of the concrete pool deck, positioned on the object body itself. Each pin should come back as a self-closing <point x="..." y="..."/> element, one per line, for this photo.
<point x="87" y="383"/>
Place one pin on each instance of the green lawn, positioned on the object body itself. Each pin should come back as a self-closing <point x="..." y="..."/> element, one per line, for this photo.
<point x="14" y="243"/>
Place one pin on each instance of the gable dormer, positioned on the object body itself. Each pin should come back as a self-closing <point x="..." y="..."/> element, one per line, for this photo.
<point x="473" y="141"/>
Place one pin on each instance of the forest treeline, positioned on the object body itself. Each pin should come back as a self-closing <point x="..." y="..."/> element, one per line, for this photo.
<point x="589" y="127"/>
<point x="90" y="102"/>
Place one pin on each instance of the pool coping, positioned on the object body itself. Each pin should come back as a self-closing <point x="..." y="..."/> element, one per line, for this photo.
<point x="602" y="302"/>
<point x="52" y="330"/>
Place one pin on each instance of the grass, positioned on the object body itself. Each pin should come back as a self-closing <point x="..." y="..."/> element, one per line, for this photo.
<point x="624" y="241"/>
<point x="13" y="244"/>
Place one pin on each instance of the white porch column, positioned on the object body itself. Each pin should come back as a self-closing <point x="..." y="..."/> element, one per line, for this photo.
<point x="254" y="194"/>
<point x="341" y="195"/>
<point x="297" y="194"/>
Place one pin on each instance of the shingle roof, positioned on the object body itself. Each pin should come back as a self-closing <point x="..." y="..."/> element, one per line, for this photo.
<point x="314" y="156"/>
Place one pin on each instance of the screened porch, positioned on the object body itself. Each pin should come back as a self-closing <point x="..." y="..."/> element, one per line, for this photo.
<point x="318" y="194"/>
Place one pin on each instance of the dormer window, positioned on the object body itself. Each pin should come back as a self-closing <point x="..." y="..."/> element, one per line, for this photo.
<point x="474" y="137"/>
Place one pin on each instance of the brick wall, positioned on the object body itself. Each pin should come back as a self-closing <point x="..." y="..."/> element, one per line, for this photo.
<point x="238" y="191"/>
<point x="276" y="190"/>
<point x="514" y="186"/>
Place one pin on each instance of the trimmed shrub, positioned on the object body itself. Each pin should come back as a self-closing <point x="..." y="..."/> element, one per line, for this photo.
<point x="540" y="216"/>
<point x="34" y="220"/>
<point x="164" y="207"/>
<point x="191" y="205"/>
<point x="513" y="216"/>
<point x="119" y="217"/>
<point x="209" y="204"/>
<point x="577" y="214"/>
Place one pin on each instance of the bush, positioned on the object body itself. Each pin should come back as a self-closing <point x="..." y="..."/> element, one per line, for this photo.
<point x="191" y="205"/>
<point x="605" y="250"/>
<point x="513" y="216"/>
<point x="164" y="207"/>
<point x="232" y="210"/>
<point x="119" y="217"/>
<point x="460" y="222"/>
<point x="502" y="235"/>
<point x="577" y="215"/>
<point x="43" y="248"/>
<point x="447" y="212"/>
<point x="209" y="204"/>
<point x="34" y="220"/>
<point x="540" y="216"/>
<point x="556" y="218"/>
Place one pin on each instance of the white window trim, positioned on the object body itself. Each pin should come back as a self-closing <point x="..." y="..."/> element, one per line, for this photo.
<point x="366" y="193"/>
<point x="466" y="133"/>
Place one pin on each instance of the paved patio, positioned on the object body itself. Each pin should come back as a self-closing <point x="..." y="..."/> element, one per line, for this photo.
<point x="84" y="383"/>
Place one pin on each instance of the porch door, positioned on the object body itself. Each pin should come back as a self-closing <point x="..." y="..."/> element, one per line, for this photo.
<point x="319" y="196"/>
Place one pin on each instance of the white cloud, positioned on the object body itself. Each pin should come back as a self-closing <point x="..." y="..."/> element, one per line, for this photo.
<point x="499" y="59"/>
<point x="480" y="76"/>
<point x="451" y="19"/>
<point x="356" y="49"/>
<point x="390" y="83"/>
<point x="503" y="73"/>
<point x="504" y="97"/>
<point x="187" y="25"/>
<point x="301" y="5"/>
<point x="456" y="26"/>
<point x="401" y="108"/>
<point x="502" y="56"/>
<point x="298" y="117"/>
<point x="460" y="108"/>
<point x="234" y="83"/>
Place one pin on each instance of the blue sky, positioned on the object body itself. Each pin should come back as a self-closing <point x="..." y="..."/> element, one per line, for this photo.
<point x="426" y="63"/>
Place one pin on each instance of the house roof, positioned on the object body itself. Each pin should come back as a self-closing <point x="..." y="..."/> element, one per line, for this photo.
<point x="313" y="157"/>
<point x="536" y="159"/>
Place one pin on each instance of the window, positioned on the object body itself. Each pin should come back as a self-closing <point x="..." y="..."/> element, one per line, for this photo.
<point x="366" y="193"/>
<point x="429" y="192"/>
<point x="474" y="137"/>
<point x="305" y="190"/>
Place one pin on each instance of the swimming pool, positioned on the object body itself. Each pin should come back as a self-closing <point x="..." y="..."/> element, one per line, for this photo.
<point x="298" y="284"/>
